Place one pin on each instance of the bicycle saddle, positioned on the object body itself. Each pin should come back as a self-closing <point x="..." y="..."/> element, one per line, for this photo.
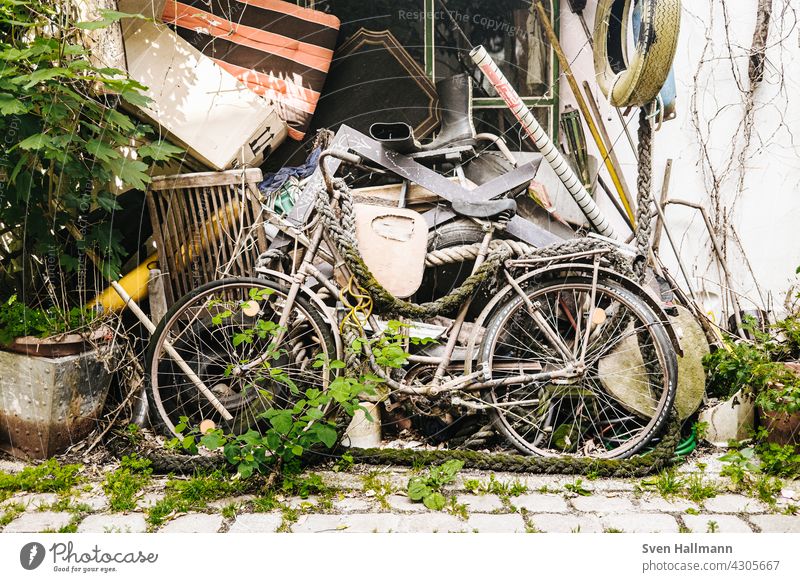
<point x="488" y="210"/>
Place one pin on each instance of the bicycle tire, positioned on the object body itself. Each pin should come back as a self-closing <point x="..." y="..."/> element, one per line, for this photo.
<point x="160" y="369"/>
<point x="545" y="436"/>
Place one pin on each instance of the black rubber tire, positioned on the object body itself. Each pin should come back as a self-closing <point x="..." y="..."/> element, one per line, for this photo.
<point x="668" y="359"/>
<point x="157" y="411"/>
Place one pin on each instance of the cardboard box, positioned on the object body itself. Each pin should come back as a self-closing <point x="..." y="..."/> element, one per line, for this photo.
<point x="199" y="105"/>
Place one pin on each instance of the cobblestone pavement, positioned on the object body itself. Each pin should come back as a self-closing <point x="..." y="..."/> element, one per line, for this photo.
<point x="372" y="499"/>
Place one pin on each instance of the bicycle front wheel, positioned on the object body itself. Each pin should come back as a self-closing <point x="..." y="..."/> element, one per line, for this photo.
<point x="217" y="330"/>
<point x="623" y="391"/>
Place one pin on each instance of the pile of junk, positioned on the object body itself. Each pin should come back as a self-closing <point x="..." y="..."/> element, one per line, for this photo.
<point x="343" y="210"/>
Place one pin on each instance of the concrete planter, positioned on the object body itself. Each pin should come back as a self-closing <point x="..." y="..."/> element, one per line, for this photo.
<point x="49" y="404"/>
<point x="782" y="428"/>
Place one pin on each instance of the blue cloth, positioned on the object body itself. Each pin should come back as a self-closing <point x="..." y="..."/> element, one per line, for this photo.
<point x="273" y="182"/>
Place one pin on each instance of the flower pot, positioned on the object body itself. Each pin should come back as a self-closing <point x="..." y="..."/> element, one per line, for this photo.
<point x="782" y="428"/>
<point x="50" y="404"/>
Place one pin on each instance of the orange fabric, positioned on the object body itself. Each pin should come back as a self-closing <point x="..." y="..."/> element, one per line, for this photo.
<point x="298" y="11"/>
<point x="310" y="55"/>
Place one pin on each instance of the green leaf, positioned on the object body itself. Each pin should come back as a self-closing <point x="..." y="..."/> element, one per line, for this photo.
<point x="35" y="142"/>
<point x="282" y="422"/>
<point x="212" y="441"/>
<point x="417" y="489"/>
<point x="41" y="75"/>
<point x="101" y="150"/>
<point x="108" y="17"/>
<point x="108" y="203"/>
<point x="434" y="501"/>
<point x="326" y="434"/>
<point x="297" y="450"/>
<point x="11" y="106"/>
<point x="161" y="151"/>
<point x="131" y="172"/>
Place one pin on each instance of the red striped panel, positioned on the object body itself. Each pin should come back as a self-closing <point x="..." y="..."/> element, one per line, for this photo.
<point x="310" y="55"/>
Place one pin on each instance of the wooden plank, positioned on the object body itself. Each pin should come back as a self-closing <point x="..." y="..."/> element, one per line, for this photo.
<point x="200" y="179"/>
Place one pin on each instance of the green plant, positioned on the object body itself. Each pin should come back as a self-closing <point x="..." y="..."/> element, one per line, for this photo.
<point x="698" y="488"/>
<point x="229" y="511"/>
<point x="712" y="527"/>
<point x="667" y="483"/>
<point x="124" y="485"/>
<point x="11" y="513"/>
<point x="18" y="320"/>
<point x="48" y="477"/>
<point x="193" y="494"/>
<point x="739" y="466"/>
<point x="577" y="488"/>
<point x="428" y="488"/>
<point x="755" y="367"/>
<point x="381" y="488"/>
<point x="66" y="141"/>
<point x="493" y="486"/>
<point x="457" y="509"/>
<point x="779" y="460"/>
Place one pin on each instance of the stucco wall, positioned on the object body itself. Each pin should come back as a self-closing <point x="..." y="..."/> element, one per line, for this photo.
<point x="711" y="70"/>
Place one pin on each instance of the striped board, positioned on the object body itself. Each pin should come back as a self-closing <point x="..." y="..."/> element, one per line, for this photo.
<point x="278" y="49"/>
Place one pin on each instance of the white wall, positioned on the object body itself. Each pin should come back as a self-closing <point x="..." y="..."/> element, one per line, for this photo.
<point x="766" y="210"/>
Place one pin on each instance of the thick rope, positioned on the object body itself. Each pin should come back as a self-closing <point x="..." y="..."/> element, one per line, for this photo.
<point x="644" y="192"/>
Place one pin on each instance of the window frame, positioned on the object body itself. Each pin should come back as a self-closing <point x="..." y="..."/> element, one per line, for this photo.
<point x="549" y="101"/>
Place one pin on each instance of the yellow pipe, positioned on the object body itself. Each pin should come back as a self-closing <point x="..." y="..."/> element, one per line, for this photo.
<point x="135" y="282"/>
<point x="562" y="59"/>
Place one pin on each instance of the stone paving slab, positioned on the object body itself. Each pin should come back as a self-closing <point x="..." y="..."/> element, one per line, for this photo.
<point x="640" y="522"/>
<point x="353" y="505"/>
<point x="39" y="521"/>
<point x="350" y="523"/>
<point x="666" y="505"/>
<point x="777" y="523"/>
<point x="481" y="503"/>
<point x="114" y="523"/>
<point x="194" y="523"/>
<point x="731" y="503"/>
<point x="702" y="523"/>
<point x="560" y="523"/>
<point x="501" y="523"/>
<point x="403" y="503"/>
<point x="602" y="504"/>
<point x="541" y="503"/>
<point x="256" y="523"/>
<point x="31" y="500"/>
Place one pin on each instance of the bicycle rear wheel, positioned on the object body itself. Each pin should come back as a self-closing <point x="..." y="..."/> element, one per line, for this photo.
<point x="615" y="406"/>
<point x="226" y="324"/>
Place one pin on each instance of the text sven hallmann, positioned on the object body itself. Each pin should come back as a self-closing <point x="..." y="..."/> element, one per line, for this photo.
<point x="692" y="548"/>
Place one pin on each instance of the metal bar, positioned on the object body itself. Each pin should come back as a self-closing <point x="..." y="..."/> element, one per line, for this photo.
<point x="662" y="202"/>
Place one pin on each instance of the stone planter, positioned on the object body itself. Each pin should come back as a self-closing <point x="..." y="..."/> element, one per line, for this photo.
<point x="782" y="428"/>
<point x="49" y="404"/>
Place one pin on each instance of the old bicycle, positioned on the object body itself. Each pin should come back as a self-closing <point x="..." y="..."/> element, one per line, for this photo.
<point x="569" y="356"/>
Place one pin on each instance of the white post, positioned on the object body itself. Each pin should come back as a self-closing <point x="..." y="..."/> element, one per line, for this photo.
<point x="542" y="141"/>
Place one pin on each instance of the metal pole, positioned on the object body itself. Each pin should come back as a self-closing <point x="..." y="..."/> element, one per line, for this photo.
<point x="616" y="179"/>
<point x="542" y="141"/>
